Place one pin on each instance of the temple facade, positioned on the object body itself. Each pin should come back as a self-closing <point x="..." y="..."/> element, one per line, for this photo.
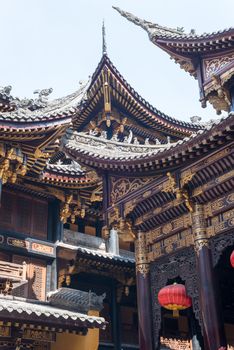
<point x="116" y="220"/>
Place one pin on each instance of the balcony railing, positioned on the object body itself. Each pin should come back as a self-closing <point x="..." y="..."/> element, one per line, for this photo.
<point x="91" y="242"/>
<point x="13" y="272"/>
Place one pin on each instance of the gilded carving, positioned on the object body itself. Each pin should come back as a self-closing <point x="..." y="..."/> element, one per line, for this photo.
<point x="12" y="164"/>
<point x="40" y="335"/>
<point x="40" y="154"/>
<point x="186" y="177"/>
<point x="168" y="245"/>
<point x="200" y="244"/>
<point x="17" y="242"/>
<point x="141" y="254"/>
<point x="201" y="239"/>
<point x="199" y="190"/>
<point x="114" y="215"/>
<point x="42" y="248"/>
<point x="5" y="331"/>
<point x="123" y="186"/>
<point x="219" y="97"/>
<point x="128" y="207"/>
<point x="213" y="65"/>
<point x="180" y="192"/>
<point x="219" y="224"/>
<point x="167" y="228"/>
<point x="125" y="231"/>
<point x="68" y="210"/>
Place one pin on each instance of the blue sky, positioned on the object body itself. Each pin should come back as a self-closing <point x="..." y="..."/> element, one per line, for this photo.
<point x="56" y="43"/>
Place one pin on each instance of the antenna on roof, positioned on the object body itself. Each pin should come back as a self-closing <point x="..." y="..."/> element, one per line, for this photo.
<point x="104" y="50"/>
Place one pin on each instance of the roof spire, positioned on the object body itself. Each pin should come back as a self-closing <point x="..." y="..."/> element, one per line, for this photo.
<point x="104" y="50"/>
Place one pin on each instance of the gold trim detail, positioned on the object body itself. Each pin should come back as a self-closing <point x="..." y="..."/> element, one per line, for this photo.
<point x="200" y="244"/>
<point x="12" y="163"/>
<point x="180" y="192"/>
<point x="141" y="254"/>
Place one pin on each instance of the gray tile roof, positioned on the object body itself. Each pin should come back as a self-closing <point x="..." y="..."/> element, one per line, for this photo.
<point x="35" y="309"/>
<point x="94" y="149"/>
<point x="73" y="169"/>
<point x="54" y="110"/>
<point x="99" y="253"/>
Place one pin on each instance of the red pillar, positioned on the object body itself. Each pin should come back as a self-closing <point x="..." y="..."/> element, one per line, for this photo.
<point x="143" y="295"/>
<point x="213" y="327"/>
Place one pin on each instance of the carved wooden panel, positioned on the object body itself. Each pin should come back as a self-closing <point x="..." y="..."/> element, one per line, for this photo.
<point x="214" y="65"/>
<point x="176" y="344"/>
<point x="36" y="276"/>
<point x="37" y="283"/>
<point x="181" y="264"/>
<point x="219" y="244"/>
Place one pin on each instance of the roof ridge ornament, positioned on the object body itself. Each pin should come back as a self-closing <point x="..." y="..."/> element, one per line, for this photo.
<point x="104" y="47"/>
<point x="153" y="29"/>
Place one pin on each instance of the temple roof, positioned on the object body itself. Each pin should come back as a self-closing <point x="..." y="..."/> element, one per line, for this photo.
<point x="107" y="154"/>
<point x="183" y="47"/>
<point x="131" y="101"/>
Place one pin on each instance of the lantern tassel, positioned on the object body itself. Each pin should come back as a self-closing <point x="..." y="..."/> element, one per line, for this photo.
<point x="176" y="313"/>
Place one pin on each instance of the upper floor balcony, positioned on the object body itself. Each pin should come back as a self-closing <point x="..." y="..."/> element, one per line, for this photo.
<point x="94" y="245"/>
<point x="12" y="276"/>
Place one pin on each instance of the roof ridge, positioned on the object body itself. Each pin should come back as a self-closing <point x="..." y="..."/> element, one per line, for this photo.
<point x="106" y="60"/>
<point x="155" y="30"/>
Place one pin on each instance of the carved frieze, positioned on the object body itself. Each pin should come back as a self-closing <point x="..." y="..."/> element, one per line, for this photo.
<point x="214" y="65"/>
<point x="227" y="176"/>
<point x="178" y="224"/>
<point x="171" y="244"/>
<point x="123" y="186"/>
<point x="178" y="344"/>
<point x="221" y="223"/>
<point x="218" y="205"/>
<point x="39" y="335"/>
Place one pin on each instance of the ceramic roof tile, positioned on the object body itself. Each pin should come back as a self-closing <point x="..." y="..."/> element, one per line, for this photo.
<point x="30" y="307"/>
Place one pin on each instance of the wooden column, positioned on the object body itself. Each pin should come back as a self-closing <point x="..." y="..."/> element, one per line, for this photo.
<point x="213" y="328"/>
<point x="0" y="192"/>
<point x="232" y="98"/>
<point x="115" y="318"/>
<point x="143" y="294"/>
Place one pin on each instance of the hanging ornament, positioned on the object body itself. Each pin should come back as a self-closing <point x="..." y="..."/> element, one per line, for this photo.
<point x="232" y="259"/>
<point x="175" y="298"/>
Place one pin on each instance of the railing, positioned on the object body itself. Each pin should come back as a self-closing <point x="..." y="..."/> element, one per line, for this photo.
<point x="175" y="344"/>
<point x="83" y="240"/>
<point x="91" y="242"/>
<point x="13" y="272"/>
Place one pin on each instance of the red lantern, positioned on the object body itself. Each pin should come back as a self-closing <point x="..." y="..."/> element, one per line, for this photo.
<point x="232" y="259"/>
<point x="174" y="297"/>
